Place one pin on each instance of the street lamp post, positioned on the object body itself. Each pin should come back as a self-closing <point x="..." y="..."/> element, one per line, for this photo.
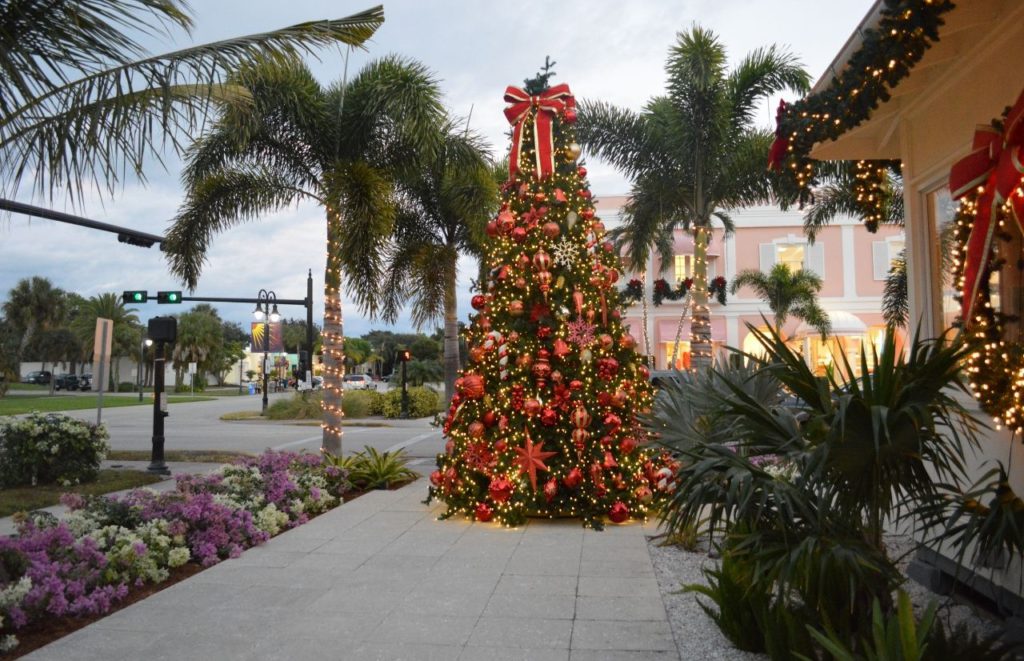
<point x="266" y="314"/>
<point x="146" y="342"/>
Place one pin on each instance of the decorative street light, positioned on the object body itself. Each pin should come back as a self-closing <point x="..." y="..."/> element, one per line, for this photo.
<point x="267" y="314"/>
<point x="146" y="342"/>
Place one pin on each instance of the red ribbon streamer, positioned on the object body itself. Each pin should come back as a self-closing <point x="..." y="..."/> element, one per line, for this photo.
<point x="996" y="163"/>
<point x="780" y="146"/>
<point x="543" y="108"/>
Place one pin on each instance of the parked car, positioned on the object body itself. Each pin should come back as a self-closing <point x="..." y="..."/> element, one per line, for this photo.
<point x="85" y="382"/>
<point x="359" y="382"/>
<point x="65" y="382"/>
<point x="38" y="377"/>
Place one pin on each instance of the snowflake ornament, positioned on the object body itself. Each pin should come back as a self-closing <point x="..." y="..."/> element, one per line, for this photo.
<point x="564" y="252"/>
<point x="581" y="333"/>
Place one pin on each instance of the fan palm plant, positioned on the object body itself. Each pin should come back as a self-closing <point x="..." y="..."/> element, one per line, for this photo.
<point x="33" y="305"/>
<point x="126" y="327"/>
<point x="339" y="146"/>
<point x="694" y="153"/>
<point x="443" y="211"/>
<point x="788" y="293"/>
<point x="82" y="101"/>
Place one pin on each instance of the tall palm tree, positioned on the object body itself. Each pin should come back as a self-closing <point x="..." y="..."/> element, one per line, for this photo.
<point x="788" y="293"/>
<point x="32" y="306"/>
<point x="694" y="153"/>
<point x="200" y="338"/>
<point x="82" y="101"/>
<point x="444" y="210"/>
<point x="338" y="146"/>
<point x="127" y="331"/>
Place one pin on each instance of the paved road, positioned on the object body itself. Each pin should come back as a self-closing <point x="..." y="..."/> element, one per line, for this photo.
<point x="197" y="426"/>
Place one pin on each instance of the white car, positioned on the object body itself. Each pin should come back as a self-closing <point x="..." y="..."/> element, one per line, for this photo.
<point x="359" y="382"/>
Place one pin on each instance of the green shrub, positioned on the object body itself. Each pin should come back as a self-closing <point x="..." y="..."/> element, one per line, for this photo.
<point x="423" y="402"/>
<point x="300" y="406"/>
<point x="126" y="386"/>
<point x="50" y="448"/>
<point x="361" y="403"/>
<point x="372" y="469"/>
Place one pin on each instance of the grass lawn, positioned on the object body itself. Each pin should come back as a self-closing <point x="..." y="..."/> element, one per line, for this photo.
<point x="204" y="456"/>
<point x="46" y="403"/>
<point x="21" y="499"/>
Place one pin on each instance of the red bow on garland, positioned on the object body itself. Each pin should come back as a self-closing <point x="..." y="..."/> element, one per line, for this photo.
<point x="996" y="163"/>
<point x="543" y="108"/>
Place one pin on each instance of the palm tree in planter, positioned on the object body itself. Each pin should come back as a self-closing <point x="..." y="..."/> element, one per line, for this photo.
<point x="788" y="293"/>
<point x="83" y="102"/>
<point x="339" y="146"/>
<point x="444" y="210"/>
<point x="694" y="152"/>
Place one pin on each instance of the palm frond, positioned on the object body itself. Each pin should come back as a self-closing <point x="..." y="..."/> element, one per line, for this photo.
<point x="762" y="73"/>
<point x="133" y="110"/>
<point x="217" y="203"/>
<point x="895" y="299"/>
<point x="618" y="136"/>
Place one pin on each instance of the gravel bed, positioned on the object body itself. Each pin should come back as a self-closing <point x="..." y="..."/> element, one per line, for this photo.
<point x="697" y="636"/>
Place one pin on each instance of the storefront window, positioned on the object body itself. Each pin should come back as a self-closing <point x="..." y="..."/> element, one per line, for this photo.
<point x="683" y="267"/>
<point x="682" y="357"/>
<point x="790" y="254"/>
<point x="826" y="355"/>
<point x="942" y="211"/>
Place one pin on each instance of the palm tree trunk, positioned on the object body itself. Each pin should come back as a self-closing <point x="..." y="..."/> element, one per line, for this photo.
<point x="647" y="336"/>
<point x="679" y="328"/>
<point x="451" y="338"/>
<point x="700" y="326"/>
<point x="333" y="338"/>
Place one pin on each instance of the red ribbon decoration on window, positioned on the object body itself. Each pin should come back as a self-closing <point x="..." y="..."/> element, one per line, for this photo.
<point x="996" y="163"/>
<point x="543" y="109"/>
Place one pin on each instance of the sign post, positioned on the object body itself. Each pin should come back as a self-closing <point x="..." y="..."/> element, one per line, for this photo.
<point x="101" y="360"/>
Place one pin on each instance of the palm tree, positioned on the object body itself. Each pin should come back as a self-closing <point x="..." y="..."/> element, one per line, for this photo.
<point x="127" y="330"/>
<point x="788" y="293"/>
<point x="200" y="339"/>
<point x="445" y="207"/>
<point x="338" y="146"/>
<point x="82" y="102"/>
<point x="32" y="306"/>
<point x="694" y="153"/>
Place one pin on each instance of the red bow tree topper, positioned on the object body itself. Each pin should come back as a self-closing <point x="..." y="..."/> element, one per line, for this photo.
<point x="542" y="108"/>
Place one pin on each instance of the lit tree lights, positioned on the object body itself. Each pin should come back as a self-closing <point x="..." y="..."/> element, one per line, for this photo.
<point x="543" y="422"/>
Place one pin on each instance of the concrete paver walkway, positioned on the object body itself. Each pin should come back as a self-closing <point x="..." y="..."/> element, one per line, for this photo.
<point x="381" y="578"/>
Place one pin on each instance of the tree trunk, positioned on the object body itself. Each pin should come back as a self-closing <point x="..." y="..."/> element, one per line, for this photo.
<point x="333" y="339"/>
<point x="679" y="329"/>
<point x="648" y="358"/>
<point x="700" y="325"/>
<point x="451" y="337"/>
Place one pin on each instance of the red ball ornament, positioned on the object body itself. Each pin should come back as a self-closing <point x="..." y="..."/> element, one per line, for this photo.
<point x="477" y="354"/>
<point x="569" y="115"/>
<point x="575" y="384"/>
<point x="584" y="193"/>
<point x="643" y="372"/>
<point x="551" y="489"/>
<point x="549" y="417"/>
<point x="556" y="376"/>
<point x="608" y="247"/>
<point x="532" y="407"/>
<point x="519" y="234"/>
<point x="612" y="422"/>
<point x="506" y="221"/>
<point x="523" y="260"/>
<point x="479" y="302"/>
<point x="627" y="341"/>
<point x="492" y="229"/>
<point x="551" y="229"/>
<point x="573" y="479"/>
<point x="483" y="512"/>
<point x="476" y="429"/>
<point x="473" y="386"/>
<point x="543" y="332"/>
<point x="436" y="478"/>
<point x="500" y="446"/>
<point x="587" y="214"/>
<point x="644" y="494"/>
<point x="597" y="228"/>
<point x="581" y="172"/>
<point x="627" y="445"/>
<point x="619" y="512"/>
<point x="521" y="283"/>
<point x="489" y="418"/>
<point x="500" y="489"/>
<point x="604" y="399"/>
<point x="605" y="341"/>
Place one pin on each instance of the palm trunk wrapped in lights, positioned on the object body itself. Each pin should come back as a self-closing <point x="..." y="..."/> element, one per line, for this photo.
<point x="451" y="342"/>
<point x="647" y="337"/>
<point x="333" y="339"/>
<point x="700" y="326"/>
<point x="679" y="328"/>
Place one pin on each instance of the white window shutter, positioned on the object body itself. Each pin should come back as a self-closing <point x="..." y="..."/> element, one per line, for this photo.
<point x="880" y="259"/>
<point x="767" y="257"/>
<point x="814" y="259"/>
<point x="712" y="269"/>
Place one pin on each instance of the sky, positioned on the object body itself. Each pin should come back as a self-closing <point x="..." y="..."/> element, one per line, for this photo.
<point x="606" y="50"/>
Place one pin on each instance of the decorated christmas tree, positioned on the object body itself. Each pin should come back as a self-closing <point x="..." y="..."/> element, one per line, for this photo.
<point x="543" y="422"/>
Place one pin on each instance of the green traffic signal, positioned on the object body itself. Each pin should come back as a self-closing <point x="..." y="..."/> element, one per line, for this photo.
<point x="168" y="297"/>
<point x="134" y="296"/>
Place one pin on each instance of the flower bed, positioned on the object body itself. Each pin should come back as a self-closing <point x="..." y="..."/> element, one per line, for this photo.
<point x="107" y="547"/>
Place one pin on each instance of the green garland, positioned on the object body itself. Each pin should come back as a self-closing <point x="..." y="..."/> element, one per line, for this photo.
<point x="906" y="29"/>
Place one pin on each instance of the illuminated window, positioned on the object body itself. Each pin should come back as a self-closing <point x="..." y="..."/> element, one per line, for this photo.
<point x="790" y="254"/>
<point x="682" y="358"/>
<point x="684" y="267"/>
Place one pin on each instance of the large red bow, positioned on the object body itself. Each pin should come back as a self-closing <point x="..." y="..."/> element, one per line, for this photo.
<point x="543" y="108"/>
<point x="996" y="163"/>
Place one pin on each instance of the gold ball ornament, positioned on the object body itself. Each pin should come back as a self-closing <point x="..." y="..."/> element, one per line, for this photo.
<point x="573" y="151"/>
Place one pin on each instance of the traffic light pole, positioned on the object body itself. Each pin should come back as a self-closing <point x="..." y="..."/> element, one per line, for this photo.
<point x="156" y="460"/>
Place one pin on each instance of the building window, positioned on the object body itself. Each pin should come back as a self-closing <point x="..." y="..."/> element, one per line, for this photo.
<point x="942" y="212"/>
<point x="790" y="254"/>
<point x="682" y="358"/>
<point x="683" y="267"/>
<point x="883" y="254"/>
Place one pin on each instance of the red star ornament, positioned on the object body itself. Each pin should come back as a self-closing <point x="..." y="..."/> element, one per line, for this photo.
<point x="531" y="459"/>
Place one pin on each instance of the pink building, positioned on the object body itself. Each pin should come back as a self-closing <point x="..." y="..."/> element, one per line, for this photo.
<point x="852" y="262"/>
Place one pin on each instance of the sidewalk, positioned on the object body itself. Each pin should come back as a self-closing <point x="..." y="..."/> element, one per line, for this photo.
<point x="381" y="578"/>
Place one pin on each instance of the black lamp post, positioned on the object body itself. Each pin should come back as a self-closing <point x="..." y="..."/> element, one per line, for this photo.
<point x="146" y="342"/>
<point x="267" y="314"/>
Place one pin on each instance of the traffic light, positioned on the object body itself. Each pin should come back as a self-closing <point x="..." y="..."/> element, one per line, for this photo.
<point x="134" y="296"/>
<point x="168" y="297"/>
<point x="405" y="355"/>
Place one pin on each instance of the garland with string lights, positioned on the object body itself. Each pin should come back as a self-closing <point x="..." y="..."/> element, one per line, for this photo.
<point x="888" y="52"/>
<point x="663" y="291"/>
<point x="544" y="419"/>
<point x="989" y="182"/>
